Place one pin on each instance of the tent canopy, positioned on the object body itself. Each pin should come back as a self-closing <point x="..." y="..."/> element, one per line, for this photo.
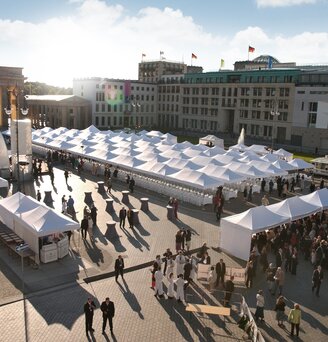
<point x="212" y="139"/>
<point x="317" y="198"/>
<point x="300" y="164"/>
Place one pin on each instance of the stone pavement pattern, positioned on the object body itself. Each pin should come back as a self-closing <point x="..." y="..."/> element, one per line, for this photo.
<point x="57" y="314"/>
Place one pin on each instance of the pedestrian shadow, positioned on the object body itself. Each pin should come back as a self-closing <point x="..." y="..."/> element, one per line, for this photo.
<point x="69" y="188"/>
<point x="140" y="239"/>
<point x="95" y="254"/>
<point x="142" y="230"/>
<point x="116" y="199"/>
<point x="151" y="215"/>
<point x="184" y="226"/>
<point x="131" y="299"/>
<point x="55" y="189"/>
<point x="98" y="234"/>
<point x="134" y="242"/>
<point x="116" y="242"/>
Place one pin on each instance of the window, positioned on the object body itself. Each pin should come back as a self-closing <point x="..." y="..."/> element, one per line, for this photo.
<point x="312" y="119"/>
<point x="313" y="106"/>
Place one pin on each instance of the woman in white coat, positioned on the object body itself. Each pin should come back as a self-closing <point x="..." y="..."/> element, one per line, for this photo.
<point x="170" y="289"/>
<point x="159" y="284"/>
<point x="180" y="291"/>
<point x="180" y="261"/>
<point x="193" y="272"/>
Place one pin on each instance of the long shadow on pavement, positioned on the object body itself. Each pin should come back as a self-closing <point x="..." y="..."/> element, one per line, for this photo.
<point x="142" y="230"/>
<point x="95" y="254"/>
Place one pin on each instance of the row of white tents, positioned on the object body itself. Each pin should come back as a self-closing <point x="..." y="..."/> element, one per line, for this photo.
<point x="31" y="220"/>
<point x="237" y="230"/>
<point x="158" y="155"/>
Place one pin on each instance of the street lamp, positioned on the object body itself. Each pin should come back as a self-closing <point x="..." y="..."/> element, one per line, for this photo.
<point x="24" y="110"/>
<point x="275" y="113"/>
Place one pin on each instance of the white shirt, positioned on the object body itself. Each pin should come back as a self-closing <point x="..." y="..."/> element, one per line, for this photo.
<point x="259" y="300"/>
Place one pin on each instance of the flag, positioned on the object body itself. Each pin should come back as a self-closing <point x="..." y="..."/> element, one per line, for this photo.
<point x="222" y="63"/>
<point x="193" y="56"/>
<point x="270" y="62"/>
<point x="161" y="53"/>
<point x="251" y="49"/>
<point x="143" y="55"/>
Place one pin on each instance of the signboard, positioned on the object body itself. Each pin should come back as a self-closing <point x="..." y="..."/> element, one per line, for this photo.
<point x="203" y="271"/>
<point x="238" y="273"/>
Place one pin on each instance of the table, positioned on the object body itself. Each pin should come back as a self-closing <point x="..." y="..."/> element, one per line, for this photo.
<point x="109" y="205"/>
<point x="135" y="216"/>
<point x="88" y="197"/>
<point x="170" y="212"/>
<point x="48" y="197"/>
<point x="125" y="197"/>
<point x="144" y="204"/>
<point x="111" y="232"/>
<point x="208" y="309"/>
<point x="101" y="187"/>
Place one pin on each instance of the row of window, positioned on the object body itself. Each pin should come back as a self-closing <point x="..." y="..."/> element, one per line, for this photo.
<point x="238" y="79"/>
<point x="114" y="86"/>
<point x="256" y="114"/>
<point x="117" y="121"/>
<point x="116" y="96"/>
<point x="103" y="107"/>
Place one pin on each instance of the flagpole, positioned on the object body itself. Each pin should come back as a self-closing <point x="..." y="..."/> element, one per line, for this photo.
<point x="248" y="54"/>
<point x="191" y="61"/>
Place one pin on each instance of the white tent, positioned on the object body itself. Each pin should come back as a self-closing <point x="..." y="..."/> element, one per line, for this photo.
<point x="212" y="139"/>
<point x="284" y="154"/>
<point x="300" y="164"/>
<point x="259" y="149"/>
<point x="294" y="208"/>
<point x="30" y="220"/>
<point x="283" y="165"/>
<point x="270" y="157"/>
<point x="317" y="198"/>
<point x="213" y="151"/>
<point x="239" y="147"/>
<point x="170" y="138"/>
<point x="237" y="230"/>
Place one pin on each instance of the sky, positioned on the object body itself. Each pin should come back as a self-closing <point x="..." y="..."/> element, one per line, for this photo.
<point x="58" y="40"/>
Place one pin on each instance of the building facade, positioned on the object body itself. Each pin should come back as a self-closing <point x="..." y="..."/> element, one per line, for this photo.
<point x="59" y="111"/>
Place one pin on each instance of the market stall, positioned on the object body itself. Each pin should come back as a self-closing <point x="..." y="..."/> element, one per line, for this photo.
<point x="41" y="228"/>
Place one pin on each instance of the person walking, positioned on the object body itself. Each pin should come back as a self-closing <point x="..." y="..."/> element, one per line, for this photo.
<point x="279" y="278"/>
<point x="212" y="278"/>
<point x="108" y="310"/>
<point x="180" y="261"/>
<point x="270" y="273"/>
<point x="132" y="183"/>
<point x="259" y="313"/>
<point x="229" y="288"/>
<point x="188" y="239"/>
<point x="280" y="311"/>
<point x="64" y="205"/>
<point x="294" y="318"/>
<point x="38" y="196"/>
<point x="249" y="271"/>
<point x="170" y="289"/>
<point x="89" y="308"/>
<point x="122" y="216"/>
<point x="175" y="207"/>
<point x="119" y="267"/>
<point x="250" y="193"/>
<point x="66" y="174"/>
<point x="220" y="269"/>
<point x="178" y="241"/>
<point x="84" y="227"/>
<point x="70" y="205"/>
<point x="94" y="214"/>
<point x="265" y="200"/>
<point x="109" y="186"/>
<point x="186" y="272"/>
<point x="317" y="277"/>
<point x="130" y="217"/>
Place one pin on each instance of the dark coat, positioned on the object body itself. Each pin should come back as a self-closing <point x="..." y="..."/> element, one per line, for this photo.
<point x="122" y="214"/>
<point x="108" y="310"/>
<point x="119" y="265"/>
<point x="89" y="309"/>
<point x="84" y="224"/>
<point x="317" y="276"/>
<point x="220" y="270"/>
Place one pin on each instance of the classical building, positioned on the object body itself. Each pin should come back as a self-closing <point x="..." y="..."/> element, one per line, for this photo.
<point x="69" y="111"/>
<point x="119" y="103"/>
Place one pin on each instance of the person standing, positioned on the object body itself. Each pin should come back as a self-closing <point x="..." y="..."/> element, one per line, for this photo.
<point x="270" y="273"/>
<point x="180" y="261"/>
<point x="178" y="241"/>
<point x="109" y="185"/>
<point x="132" y="183"/>
<point x="90" y="228"/>
<point x="70" y="205"/>
<point x="89" y="308"/>
<point x="279" y="278"/>
<point x="175" y="207"/>
<point x="187" y="271"/>
<point x="122" y="216"/>
<point x="159" y="283"/>
<point x="38" y="196"/>
<point x="271" y="184"/>
<point x="170" y="289"/>
<point x="294" y="318"/>
<point x="317" y="279"/>
<point x="259" y="313"/>
<point x="250" y="193"/>
<point x="188" y="239"/>
<point x="84" y="227"/>
<point x="119" y="267"/>
<point x="280" y="311"/>
<point x="220" y="268"/>
<point x="294" y="261"/>
<point x="229" y="288"/>
<point x="94" y="214"/>
<point x="249" y="274"/>
<point x="212" y="278"/>
<point x="265" y="200"/>
<point x="130" y="217"/>
<point x="108" y="309"/>
<point x="166" y="256"/>
<point x="64" y="205"/>
<point x="180" y="288"/>
<point x="66" y="175"/>
<point x="170" y="265"/>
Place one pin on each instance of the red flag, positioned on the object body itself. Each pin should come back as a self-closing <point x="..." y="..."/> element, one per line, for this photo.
<point x="251" y="49"/>
<point x="193" y="56"/>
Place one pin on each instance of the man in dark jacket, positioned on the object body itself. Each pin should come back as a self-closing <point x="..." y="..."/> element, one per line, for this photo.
<point x="122" y="215"/>
<point x="220" y="269"/>
<point x="108" y="309"/>
<point x="229" y="288"/>
<point x="186" y="274"/>
<point x="84" y="227"/>
<point x="89" y="308"/>
<point x="119" y="267"/>
<point x="316" y="280"/>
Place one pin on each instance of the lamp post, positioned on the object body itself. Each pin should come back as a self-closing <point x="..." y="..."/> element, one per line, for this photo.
<point x="24" y="110"/>
<point x="275" y="113"/>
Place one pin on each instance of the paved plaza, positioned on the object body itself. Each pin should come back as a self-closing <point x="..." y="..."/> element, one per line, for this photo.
<point x="52" y="307"/>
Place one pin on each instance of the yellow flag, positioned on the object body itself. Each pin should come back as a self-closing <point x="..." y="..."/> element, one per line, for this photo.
<point x="222" y="63"/>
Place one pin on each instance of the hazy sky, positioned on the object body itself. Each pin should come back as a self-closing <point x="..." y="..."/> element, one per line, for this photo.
<point x="57" y="40"/>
